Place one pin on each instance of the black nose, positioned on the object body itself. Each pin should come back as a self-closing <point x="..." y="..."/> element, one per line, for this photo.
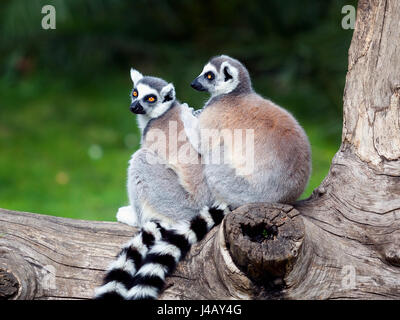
<point x="197" y="85"/>
<point x="137" y="108"/>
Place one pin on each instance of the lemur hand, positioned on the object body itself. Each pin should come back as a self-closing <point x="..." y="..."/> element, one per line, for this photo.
<point x="191" y="125"/>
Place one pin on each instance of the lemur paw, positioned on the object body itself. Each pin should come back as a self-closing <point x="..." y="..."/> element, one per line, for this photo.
<point x="128" y="216"/>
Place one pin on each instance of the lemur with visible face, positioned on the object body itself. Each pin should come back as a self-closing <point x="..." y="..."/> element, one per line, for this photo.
<point x="169" y="198"/>
<point x="281" y="150"/>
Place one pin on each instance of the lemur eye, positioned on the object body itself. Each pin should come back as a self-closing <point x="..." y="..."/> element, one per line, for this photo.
<point x="209" y="75"/>
<point x="135" y="93"/>
<point x="151" y="99"/>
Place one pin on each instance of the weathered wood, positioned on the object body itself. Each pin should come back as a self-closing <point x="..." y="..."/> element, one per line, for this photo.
<point x="55" y="258"/>
<point x="341" y="243"/>
<point x="264" y="240"/>
<point x="246" y="258"/>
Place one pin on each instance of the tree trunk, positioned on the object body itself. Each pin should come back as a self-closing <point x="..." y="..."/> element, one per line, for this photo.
<point x="341" y="243"/>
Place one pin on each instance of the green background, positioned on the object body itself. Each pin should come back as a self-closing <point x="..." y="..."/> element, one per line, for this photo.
<point x="66" y="133"/>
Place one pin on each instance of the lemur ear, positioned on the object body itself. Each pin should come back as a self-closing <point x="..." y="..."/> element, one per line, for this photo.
<point x="229" y="71"/>
<point x="135" y="76"/>
<point x="168" y="92"/>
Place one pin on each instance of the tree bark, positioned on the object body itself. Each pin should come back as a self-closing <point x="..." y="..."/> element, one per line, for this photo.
<point x="341" y="243"/>
<point x="45" y="257"/>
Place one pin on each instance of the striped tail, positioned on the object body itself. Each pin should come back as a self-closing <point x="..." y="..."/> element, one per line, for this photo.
<point x="142" y="276"/>
<point x="164" y="256"/>
<point x="121" y="272"/>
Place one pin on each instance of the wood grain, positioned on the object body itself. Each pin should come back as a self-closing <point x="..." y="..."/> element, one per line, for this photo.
<point x="56" y="258"/>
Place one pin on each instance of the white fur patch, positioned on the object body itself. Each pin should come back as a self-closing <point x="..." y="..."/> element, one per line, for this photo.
<point x="163" y="247"/>
<point x="135" y="76"/>
<point x="127" y="215"/>
<point x="153" y="269"/>
<point x="222" y="86"/>
<point x="167" y="224"/>
<point x="191" y="125"/>
<point x="159" y="109"/>
<point x="118" y="264"/>
<point x="129" y="267"/>
<point x="142" y="291"/>
<point x="152" y="228"/>
<point x="184" y="230"/>
<point x="112" y="286"/>
<point x="205" y="214"/>
<point x="207" y="68"/>
<point x="189" y="235"/>
<point x="142" y="121"/>
<point x="137" y="243"/>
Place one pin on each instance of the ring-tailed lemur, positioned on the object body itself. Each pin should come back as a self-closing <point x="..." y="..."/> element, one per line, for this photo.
<point x="169" y="198"/>
<point x="281" y="150"/>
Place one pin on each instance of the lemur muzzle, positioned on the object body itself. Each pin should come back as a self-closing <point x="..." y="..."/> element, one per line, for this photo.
<point x="197" y="85"/>
<point x="137" y="108"/>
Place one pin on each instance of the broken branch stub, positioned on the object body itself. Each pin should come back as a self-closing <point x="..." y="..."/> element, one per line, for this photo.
<point x="264" y="241"/>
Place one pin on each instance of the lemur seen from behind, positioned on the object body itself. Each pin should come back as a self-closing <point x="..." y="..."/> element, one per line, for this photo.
<point x="281" y="150"/>
<point x="169" y="198"/>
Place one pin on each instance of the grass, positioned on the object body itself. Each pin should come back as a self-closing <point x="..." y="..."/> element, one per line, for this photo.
<point x="65" y="145"/>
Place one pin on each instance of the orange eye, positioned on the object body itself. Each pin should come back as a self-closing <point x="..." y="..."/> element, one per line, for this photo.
<point x="209" y="76"/>
<point x="135" y="93"/>
<point x="151" y="99"/>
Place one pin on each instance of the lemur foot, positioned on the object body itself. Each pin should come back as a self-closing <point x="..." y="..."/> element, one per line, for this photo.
<point x="127" y="215"/>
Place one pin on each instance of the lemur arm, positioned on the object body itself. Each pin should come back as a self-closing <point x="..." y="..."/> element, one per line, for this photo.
<point x="191" y="125"/>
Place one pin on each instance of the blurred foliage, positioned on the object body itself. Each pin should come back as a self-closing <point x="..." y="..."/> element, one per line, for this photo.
<point x="65" y="131"/>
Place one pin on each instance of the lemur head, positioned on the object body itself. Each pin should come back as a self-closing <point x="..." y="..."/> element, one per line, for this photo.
<point x="223" y="75"/>
<point x="151" y="96"/>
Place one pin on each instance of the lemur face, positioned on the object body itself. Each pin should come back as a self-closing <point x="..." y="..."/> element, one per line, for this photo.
<point x="217" y="80"/>
<point x="150" y="96"/>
